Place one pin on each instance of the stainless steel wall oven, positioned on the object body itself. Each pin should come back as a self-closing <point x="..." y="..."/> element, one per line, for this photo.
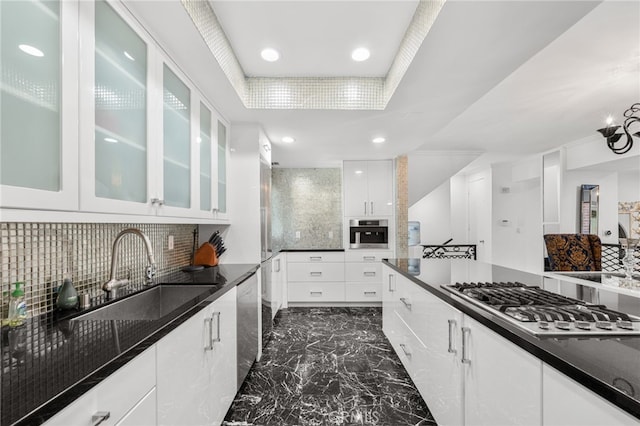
<point x="368" y="234"/>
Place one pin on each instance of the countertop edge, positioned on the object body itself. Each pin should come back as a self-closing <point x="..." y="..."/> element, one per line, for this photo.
<point x="46" y="411"/>
<point x="604" y="390"/>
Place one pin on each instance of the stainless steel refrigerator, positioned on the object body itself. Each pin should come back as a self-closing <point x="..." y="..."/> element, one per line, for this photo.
<point x="265" y="248"/>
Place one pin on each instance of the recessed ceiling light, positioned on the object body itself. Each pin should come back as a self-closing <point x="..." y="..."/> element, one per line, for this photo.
<point x="270" y="55"/>
<point x="288" y="139"/>
<point x="360" y="54"/>
<point x="378" y="140"/>
<point x="111" y="140"/>
<point x="30" y="50"/>
<point x="128" y="55"/>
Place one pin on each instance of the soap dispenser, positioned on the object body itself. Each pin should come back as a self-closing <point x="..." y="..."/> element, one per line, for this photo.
<point x="67" y="295"/>
<point x="17" y="306"/>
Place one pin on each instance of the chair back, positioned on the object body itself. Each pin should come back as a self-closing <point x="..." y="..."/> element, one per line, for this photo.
<point x="574" y="252"/>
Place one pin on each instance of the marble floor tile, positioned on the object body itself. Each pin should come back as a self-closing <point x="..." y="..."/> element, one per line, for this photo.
<point x="328" y="366"/>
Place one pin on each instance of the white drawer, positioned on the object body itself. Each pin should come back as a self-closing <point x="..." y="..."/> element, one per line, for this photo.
<point x="363" y="292"/>
<point x="363" y="272"/>
<point x="316" y="292"/>
<point x="367" y="256"/>
<point x="321" y="271"/>
<point x="315" y="256"/>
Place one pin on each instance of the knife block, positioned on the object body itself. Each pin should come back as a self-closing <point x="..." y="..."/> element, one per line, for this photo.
<point x="206" y="255"/>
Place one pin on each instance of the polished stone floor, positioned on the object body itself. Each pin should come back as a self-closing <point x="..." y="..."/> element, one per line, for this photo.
<point x="328" y="366"/>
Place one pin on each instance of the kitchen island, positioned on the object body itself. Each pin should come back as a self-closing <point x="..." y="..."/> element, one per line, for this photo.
<point x="527" y="370"/>
<point x="62" y="359"/>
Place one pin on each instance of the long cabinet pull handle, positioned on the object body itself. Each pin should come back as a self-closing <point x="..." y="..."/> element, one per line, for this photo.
<point x="391" y="278"/>
<point x="316" y="273"/>
<point x="100" y="417"/>
<point x="217" y="339"/>
<point x="406" y="304"/>
<point x="277" y="265"/>
<point x="465" y="333"/>
<point x="319" y="293"/>
<point x="369" y="273"/>
<point x="372" y="207"/>
<point x="452" y="325"/>
<point x="209" y="322"/>
<point x="372" y="293"/>
<point x="365" y="208"/>
<point x="315" y="258"/>
<point x="404" y="349"/>
<point x="368" y="258"/>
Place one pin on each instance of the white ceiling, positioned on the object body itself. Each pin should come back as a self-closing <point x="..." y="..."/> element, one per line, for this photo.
<point x="510" y="76"/>
<point x="315" y="38"/>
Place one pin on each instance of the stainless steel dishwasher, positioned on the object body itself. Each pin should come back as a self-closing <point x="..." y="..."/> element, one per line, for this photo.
<point x="247" y="313"/>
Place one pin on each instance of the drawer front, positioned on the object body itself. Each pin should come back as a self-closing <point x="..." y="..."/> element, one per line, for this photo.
<point x="316" y="292"/>
<point x="363" y="292"/>
<point x="363" y="272"/>
<point x="413" y="354"/>
<point x="411" y="305"/>
<point x="315" y="256"/>
<point x="367" y="256"/>
<point x="321" y="271"/>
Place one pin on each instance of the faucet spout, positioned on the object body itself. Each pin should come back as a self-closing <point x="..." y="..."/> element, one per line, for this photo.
<point x="114" y="283"/>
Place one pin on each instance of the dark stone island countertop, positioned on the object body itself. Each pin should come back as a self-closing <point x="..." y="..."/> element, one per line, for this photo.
<point x="608" y="366"/>
<point x="61" y="359"/>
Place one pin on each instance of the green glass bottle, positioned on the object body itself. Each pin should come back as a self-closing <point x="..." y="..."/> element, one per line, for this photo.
<point x="67" y="295"/>
<point x="17" y="306"/>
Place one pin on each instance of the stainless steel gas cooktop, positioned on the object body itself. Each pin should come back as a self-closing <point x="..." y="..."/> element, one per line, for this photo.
<point x="543" y="313"/>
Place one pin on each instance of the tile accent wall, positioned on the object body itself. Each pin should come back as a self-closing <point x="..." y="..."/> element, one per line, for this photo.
<point x="308" y="201"/>
<point x="40" y="254"/>
<point x="402" y="207"/>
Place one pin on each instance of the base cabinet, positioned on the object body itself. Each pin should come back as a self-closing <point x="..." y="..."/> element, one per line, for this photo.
<point x="196" y="367"/>
<point x="567" y="403"/>
<point x="128" y="396"/>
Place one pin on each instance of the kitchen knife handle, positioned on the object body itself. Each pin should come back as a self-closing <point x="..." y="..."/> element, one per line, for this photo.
<point x="466" y="331"/>
<point x="452" y="325"/>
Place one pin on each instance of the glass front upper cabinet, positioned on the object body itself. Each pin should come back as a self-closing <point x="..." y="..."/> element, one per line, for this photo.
<point x="222" y="168"/>
<point x="176" y="141"/>
<point x="204" y="140"/>
<point x="120" y="108"/>
<point x="38" y="151"/>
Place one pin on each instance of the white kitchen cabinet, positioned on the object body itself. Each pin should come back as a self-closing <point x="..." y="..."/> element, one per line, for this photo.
<point x="196" y="366"/>
<point x="389" y="301"/>
<point x="368" y="188"/>
<point x="363" y="275"/>
<point x="315" y="277"/>
<point x="502" y="382"/>
<point x="127" y="395"/>
<point x="39" y="95"/>
<point x="567" y="403"/>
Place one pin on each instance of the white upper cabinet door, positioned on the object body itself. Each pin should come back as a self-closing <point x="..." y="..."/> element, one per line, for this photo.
<point x="355" y="183"/>
<point x="116" y="167"/>
<point x="38" y="95"/>
<point x="205" y="152"/>
<point x="222" y="158"/>
<point x="380" y="188"/>
<point x="368" y="188"/>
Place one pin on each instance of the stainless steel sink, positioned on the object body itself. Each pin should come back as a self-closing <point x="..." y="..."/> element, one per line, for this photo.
<point x="149" y="305"/>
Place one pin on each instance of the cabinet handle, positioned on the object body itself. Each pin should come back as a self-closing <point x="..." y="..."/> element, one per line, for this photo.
<point x="391" y="277"/>
<point x="100" y="417"/>
<point x="315" y="273"/>
<point x="209" y="321"/>
<point x="372" y="207"/>
<point x="312" y="293"/>
<point x="365" y="208"/>
<point x="406" y="304"/>
<point x="157" y="201"/>
<point x="277" y="265"/>
<point x="404" y="349"/>
<point x="452" y="325"/>
<point x="369" y="273"/>
<point x="315" y="258"/>
<point x="368" y="258"/>
<point x="465" y="333"/>
<point x="371" y="293"/>
<point x="217" y="339"/>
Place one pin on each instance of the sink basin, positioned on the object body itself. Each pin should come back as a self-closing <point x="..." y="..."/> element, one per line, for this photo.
<point x="149" y="305"/>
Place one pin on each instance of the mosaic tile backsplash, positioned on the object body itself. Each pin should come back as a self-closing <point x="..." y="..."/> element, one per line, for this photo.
<point x="308" y="201"/>
<point x="43" y="254"/>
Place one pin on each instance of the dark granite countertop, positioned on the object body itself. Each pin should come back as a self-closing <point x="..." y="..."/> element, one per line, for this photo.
<point x="61" y="359"/>
<point x="609" y="366"/>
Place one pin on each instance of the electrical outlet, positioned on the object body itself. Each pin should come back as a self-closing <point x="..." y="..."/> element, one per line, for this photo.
<point x="297" y="235"/>
<point x="170" y="242"/>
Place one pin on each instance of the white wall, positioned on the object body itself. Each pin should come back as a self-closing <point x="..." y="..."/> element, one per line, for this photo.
<point x="434" y="214"/>
<point x="629" y="185"/>
<point x="517" y="243"/>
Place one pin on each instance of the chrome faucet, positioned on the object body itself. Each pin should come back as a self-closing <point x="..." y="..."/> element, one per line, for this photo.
<point x="113" y="284"/>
